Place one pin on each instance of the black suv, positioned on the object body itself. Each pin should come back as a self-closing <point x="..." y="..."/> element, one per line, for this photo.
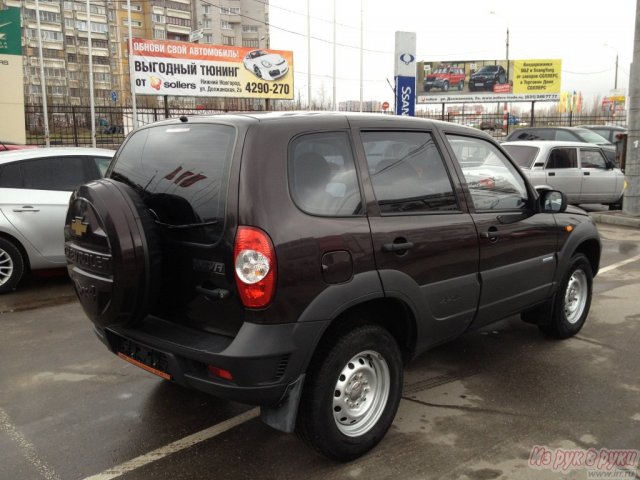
<point x="296" y="261"/>
<point x="487" y="77"/>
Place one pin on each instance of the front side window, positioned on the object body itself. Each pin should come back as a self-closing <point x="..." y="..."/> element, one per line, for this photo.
<point x="592" y="159"/>
<point x="407" y="173"/>
<point x="494" y="183"/>
<point x="322" y="175"/>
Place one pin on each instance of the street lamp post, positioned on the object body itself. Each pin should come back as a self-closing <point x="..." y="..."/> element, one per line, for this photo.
<point x="492" y="12"/>
<point x="615" y="82"/>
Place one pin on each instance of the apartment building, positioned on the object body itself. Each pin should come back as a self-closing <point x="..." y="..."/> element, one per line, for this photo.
<point x="65" y="44"/>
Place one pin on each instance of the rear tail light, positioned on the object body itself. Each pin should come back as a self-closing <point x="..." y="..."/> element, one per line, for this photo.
<point x="255" y="266"/>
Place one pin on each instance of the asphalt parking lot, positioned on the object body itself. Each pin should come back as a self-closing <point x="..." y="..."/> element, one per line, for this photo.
<point x="472" y="409"/>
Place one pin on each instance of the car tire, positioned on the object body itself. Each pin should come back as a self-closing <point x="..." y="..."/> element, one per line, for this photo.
<point x="502" y="79"/>
<point x="11" y="266"/>
<point x="573" y="300"/>
<point x="116" y="270"/>
<point x="352" y="392"/>
<point x="617" y="205"/>
<point x="257" y="71"/>
<point x="426" y="89"/>
<point x="461" y="85"/>
<point x="445" y="87"/>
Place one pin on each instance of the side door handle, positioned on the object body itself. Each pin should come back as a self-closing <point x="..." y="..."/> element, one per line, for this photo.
<point x="552" y="174"/>
<point x="587" y="173"/>
<point x="399" y="246"/>
<point x="26" y="208"/>
<point x="492" y="234"/>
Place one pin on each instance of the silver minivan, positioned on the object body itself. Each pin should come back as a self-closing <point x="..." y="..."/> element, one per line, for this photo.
<point x="580" y="170"/>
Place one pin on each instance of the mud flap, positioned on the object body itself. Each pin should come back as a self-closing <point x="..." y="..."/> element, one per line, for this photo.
<point x="283" y="415"/>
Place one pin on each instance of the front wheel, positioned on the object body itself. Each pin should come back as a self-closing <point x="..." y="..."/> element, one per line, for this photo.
<point x="573" y="300"/>
<point x="353" y="390"/>
<point x="461" y="85"/>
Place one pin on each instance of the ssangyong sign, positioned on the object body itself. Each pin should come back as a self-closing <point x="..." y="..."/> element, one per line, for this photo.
<point x="163" y="67"/>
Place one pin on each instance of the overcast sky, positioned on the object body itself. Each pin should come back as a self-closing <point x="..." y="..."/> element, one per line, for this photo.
<point x="584" y="35"/>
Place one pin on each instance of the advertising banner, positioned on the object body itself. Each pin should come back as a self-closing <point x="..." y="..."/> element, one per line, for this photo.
<point x="11" y="78"/>
<point x="489" y="81"/>
<point x="163" y="67"/>
<point x="405" y="73"/>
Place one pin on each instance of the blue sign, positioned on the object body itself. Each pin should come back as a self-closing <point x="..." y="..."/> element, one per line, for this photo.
<point x="406" y="96"/>
<point x="114" y="96"/>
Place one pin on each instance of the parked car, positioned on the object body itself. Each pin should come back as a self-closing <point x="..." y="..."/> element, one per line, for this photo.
<point x="35" y="186"/>
<point x="565" y="134"/>
<point x="608" y="132"/>
<point x="487" y="77"/>
<point x="5" y="146"/>
<point x="295" y="261"/>
<point x="580" y="170"/>
<point x="265" y="65"/>
<point x="445" y="78"/>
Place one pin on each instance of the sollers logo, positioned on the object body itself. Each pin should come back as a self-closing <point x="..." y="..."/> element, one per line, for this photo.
<point x="156" y="83"/>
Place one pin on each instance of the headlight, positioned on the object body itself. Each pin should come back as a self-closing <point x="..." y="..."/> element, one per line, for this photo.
<point x="266" y="64"/>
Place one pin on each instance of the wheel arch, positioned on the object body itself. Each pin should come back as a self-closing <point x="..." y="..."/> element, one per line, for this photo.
<point x="590" y="249"/>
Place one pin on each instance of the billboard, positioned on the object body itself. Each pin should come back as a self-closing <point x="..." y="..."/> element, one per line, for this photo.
<point x="164" y="67"/>
<point x="11" y="77"/>
<point x="489" y="81"/>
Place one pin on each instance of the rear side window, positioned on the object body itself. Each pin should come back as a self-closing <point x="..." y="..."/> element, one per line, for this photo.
<point x="407" y="172"/>
<point x="181" y="172"/>
<point x="562" y="158"/>
<point x="322" y="175"/>
<point x="10" y="176"/>
<point x="55" y="173"/>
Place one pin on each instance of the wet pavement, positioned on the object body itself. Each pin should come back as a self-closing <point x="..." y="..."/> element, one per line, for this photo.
<point x="472" y="409"/>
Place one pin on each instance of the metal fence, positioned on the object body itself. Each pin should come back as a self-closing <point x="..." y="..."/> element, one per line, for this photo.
<point x="71" y="125"/>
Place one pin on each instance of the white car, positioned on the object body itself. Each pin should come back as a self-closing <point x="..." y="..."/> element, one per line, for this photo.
<point x="35" y="187"/>
<point x="265" y="65"/>
<point x="581" y="170"/>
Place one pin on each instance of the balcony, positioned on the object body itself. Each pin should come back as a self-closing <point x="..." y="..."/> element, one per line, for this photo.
<point x="178" y="29"/>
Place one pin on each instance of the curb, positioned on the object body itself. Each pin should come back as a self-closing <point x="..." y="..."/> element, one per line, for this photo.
<point x="616" y="218"/>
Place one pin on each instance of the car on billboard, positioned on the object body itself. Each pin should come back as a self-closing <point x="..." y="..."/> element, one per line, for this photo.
<point x="487" y="77"/>
<point x="445" y="78"/>
<point x="265" y="65"/>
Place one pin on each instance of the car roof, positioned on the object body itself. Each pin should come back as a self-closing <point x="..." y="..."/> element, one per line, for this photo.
<point x="605" y="127"/>
<point x="296" y="118"/>
<point x="549" y="144"/>
<point x="28" y="154"/>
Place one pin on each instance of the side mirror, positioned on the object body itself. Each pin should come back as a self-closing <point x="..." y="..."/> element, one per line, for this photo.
<point x="552" y="201"/>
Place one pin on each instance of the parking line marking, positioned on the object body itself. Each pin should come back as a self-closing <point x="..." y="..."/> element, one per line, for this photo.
<point x="28" y="449"/>
<point x="176" y="446"/>
<point x="619" y="264"/>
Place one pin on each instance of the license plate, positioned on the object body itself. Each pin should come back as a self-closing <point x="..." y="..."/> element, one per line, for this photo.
<point x="479" y="84"/>
<point x="146" y="358"/>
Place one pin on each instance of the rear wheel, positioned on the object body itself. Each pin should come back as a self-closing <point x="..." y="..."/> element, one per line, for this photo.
<point x="461" y="85"/>
<point x="445" y="87"/>
<point x="11" y="266"/>
<point x="353" y="389"/>
<point x="573" y="300"/>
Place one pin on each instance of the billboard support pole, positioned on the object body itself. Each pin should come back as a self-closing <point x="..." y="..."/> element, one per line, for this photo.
<point x="131" y="79"/>
<point x="631" y="200"/>
<point x="166" y="106"/>
<point x="92" y="103"/>
<point x="443" y="111"/>
<point x="533" y="109"/>
<point x="43" y="85"/>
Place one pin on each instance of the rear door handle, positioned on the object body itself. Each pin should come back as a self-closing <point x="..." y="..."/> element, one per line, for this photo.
<point x="26" y="208"/>
<point x="587" y="173"/>
<point x="552" y="174"/>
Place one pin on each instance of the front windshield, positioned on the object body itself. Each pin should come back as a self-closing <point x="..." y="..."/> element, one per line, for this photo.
<point x="488" y="69"/>
<point x="592" y="137"/>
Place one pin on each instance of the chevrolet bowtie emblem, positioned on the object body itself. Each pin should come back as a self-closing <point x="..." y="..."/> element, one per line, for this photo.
<point x="78" y="226"/>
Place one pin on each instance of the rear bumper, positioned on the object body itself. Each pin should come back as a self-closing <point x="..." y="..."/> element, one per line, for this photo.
<point x="263" y="359"/>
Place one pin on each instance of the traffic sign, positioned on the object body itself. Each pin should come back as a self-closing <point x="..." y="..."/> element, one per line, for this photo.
<point x="385" y="106"/>
<point x="196" y="35"/>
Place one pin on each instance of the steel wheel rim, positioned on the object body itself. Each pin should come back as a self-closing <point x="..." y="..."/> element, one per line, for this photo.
<point x="575" y="296"/>
<point x="361" y="393"/>
<point x="6" y="267"/>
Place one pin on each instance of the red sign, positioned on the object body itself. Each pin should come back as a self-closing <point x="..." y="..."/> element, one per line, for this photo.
<point x="385" y="106"/>
<point x="502" y="88"/>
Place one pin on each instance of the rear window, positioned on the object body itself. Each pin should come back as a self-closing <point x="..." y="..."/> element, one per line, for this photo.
<point x="181" y="172"/>
<point x="522" y="155"/>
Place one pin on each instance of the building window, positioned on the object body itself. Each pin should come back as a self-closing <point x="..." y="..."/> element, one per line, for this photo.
<point x="208" y="38"/>
<point x="72" y="58"/>
<point x="226" y="25"/>
<point x="134" y="8"/>
<point x="250" y="29"/>
<point x="229" y="41"/>
<point x="178" y="21"/>
<point x="159" y="33"/>
<point x="206" y="23"/>
<point x="230" y="10"/>
<point x="206" y="9"/>
<point x="69" y="23"/>
<point x="250" y="42"/>
<point x="178" y="6"/>
<point x="47" y="35"/>
<point x="134" y="23"/>
<point x="157" y="18"/>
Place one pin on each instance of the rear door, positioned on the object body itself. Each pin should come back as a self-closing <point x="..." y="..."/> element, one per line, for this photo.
<point x="425" y="243"/>
<point x="517" y="245"/>
<point x="562" y="172"/>
<point x="36" y="203"/>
